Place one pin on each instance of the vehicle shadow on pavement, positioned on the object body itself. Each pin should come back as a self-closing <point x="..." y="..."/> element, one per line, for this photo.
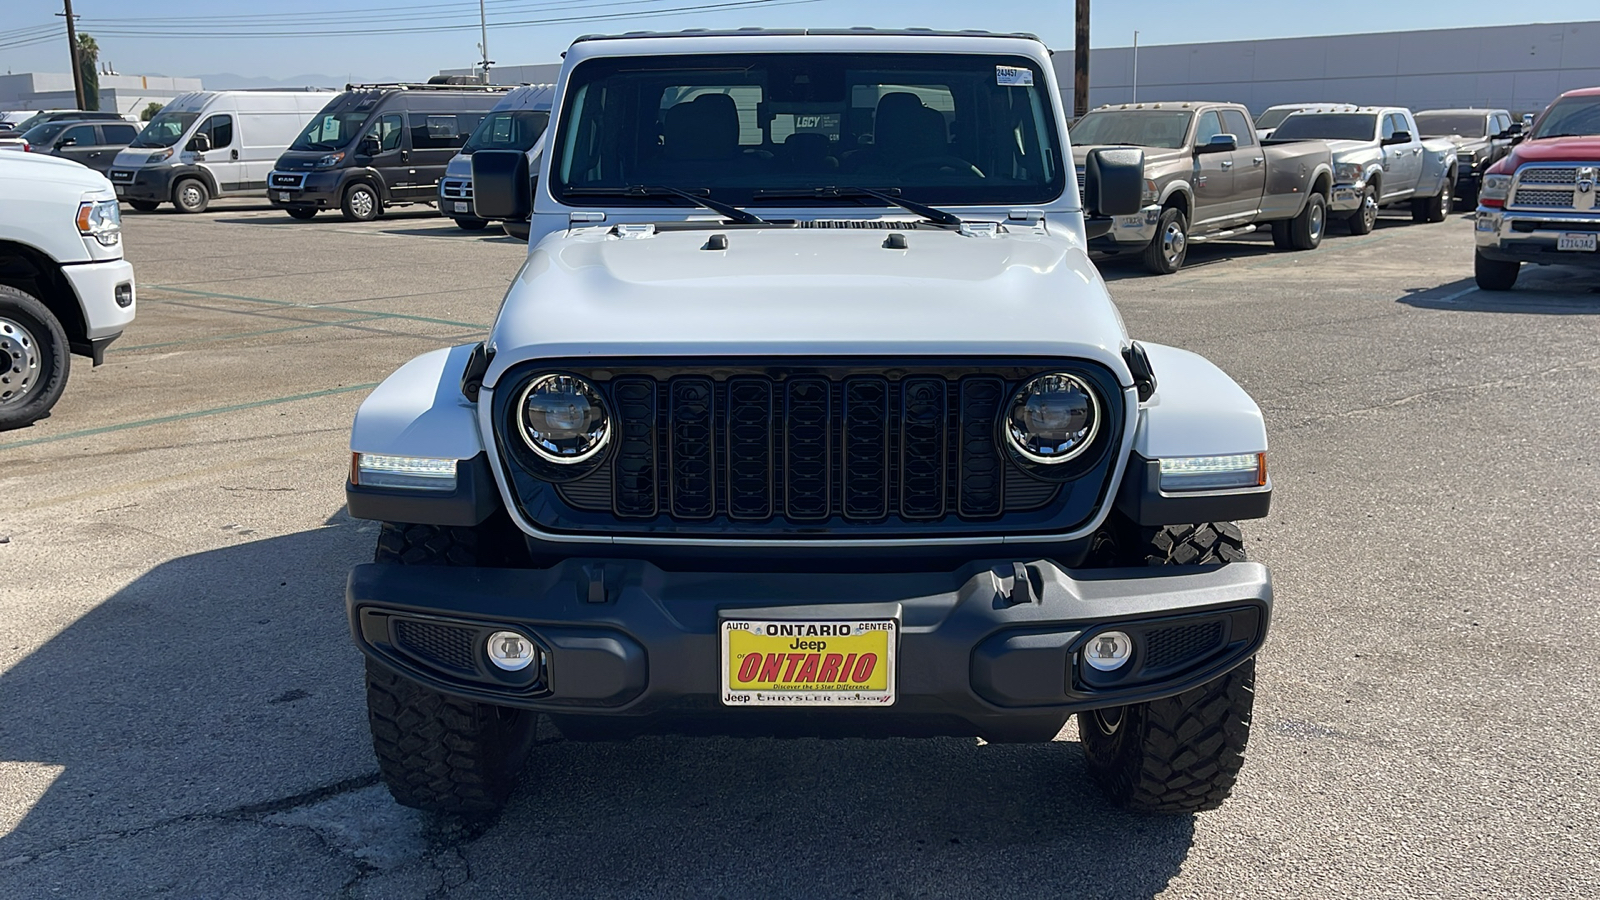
<point x="163" y="737"/>
<point x="1540" y="292"/>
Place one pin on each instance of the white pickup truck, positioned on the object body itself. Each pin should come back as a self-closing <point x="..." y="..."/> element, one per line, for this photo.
<point x="64" y="286"/>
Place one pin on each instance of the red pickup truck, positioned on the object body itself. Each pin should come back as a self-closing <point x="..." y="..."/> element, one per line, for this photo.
<point x="1541" y="204"/>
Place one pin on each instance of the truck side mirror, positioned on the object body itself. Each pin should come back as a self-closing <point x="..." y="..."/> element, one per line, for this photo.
<point x="1219" y="143"/>
<point x="1514" y="130"/>
<point x="200" y="143"/>
<point x="1113" y="184"/>
<point x="369" y="146"/>
<point x="1399" y="137"/>
<point x="501" y="188"/>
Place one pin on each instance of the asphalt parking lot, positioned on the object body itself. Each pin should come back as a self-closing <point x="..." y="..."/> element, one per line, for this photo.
<point x="181" y="710"/>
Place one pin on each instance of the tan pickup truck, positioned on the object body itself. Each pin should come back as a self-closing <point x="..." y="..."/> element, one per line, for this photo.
<point x="1207" y="177"/>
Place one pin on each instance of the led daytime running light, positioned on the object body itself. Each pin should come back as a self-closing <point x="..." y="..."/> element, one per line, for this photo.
<point x="1201" y="473"/>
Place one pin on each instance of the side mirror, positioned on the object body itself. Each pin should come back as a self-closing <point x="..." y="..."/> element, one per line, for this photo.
<point x="66" y="142"/>
<point x="369" y="146"/>
<point x="1113" y="182"/>
<point x="1399" y="137"/>
<point x="1514" y="130"/>
<point x="200" y="143"/>
<point x="1219" y="143"/>
<point x="501" y="188"/>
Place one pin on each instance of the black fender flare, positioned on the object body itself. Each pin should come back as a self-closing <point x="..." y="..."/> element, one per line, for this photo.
<point x="366" y="175"/>
<point x="189" y="170"/>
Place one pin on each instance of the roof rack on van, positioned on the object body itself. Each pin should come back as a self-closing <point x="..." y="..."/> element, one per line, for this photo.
<point x="832" y="32"/>
<point x="405" y="86"/>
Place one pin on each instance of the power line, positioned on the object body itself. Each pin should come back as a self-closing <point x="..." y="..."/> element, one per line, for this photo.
<point x="29" y="42"/>
<point x="372" y="13"/>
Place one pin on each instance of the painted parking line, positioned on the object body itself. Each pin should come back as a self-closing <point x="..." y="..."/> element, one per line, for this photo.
<point x="239" y="334"/>
<point x="291" y="304"/>
<point x="183" y="417"/>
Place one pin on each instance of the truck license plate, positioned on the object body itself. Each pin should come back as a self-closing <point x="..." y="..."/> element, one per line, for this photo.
<point x="1580" y="242"/>
<point x="284" y="196"/>
<point x="809" y="663"/>
<point x="463" y="207"/>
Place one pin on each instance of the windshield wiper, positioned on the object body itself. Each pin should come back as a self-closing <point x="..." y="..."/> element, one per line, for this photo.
<point x="891" y="195"/>
<point x="726" y="210"/>
<point x="1560" y="135"/>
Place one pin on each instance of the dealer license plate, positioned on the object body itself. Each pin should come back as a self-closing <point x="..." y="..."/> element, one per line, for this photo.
<point x="809" y="663"/>
<point x="284" y="196"/>
<point x="463" y="207"/>
<point x="1580" y="242"/>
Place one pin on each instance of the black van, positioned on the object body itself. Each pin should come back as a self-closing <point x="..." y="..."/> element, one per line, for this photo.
<point x="376" y="146"/>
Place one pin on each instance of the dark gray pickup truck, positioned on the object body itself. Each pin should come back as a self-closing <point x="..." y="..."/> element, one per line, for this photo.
<point x="1207" y="177"/>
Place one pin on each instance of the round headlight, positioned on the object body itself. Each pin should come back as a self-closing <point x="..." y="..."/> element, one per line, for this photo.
<point x="1054" y="418"/>
<point x="563" y="419"/>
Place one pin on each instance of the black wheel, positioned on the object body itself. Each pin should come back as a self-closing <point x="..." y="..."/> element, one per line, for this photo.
<point x="1467" y="193"/>
<point x="1168" y="249"/>
<point x="1437" y="207"/>
<point x="1306" y="229"/>
<point x="302" y="212"/>
<point x="144" y="205"/>
<point x="361" y="203"/>
<point x="1180" y="754"/>
<point x="435" y="752"/>
<point x="190" y="195"/>
<point x="1365" y="218"/>
<point x="1495" y="274"/>
<point x="516" y="230"/>
<point x="34" y="361"/>
<point x="471" y="224"/>
<point x="1280" y="235"/>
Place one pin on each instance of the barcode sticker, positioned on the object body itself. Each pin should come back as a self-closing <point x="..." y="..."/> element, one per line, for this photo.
<point x="1013" y="76"/>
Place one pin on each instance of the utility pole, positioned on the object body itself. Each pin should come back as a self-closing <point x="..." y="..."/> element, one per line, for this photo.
<point x="1080" y="62"/>
<point x="72" y="44"/>
<point x="483" y="26"/>
<point x="1136" y="66"/>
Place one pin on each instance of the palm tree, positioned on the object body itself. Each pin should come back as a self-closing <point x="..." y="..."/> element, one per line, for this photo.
<point x="89" y="68"/>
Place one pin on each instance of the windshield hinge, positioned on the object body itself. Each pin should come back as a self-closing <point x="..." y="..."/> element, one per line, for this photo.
<point x="980" y="229"/>
<point x="586" y="216"/>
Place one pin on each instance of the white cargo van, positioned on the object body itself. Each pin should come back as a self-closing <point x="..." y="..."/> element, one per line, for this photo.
<point x="517" y="122"/>
<point x="208" y="144"/>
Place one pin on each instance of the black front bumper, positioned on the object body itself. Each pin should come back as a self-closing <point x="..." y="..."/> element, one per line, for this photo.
<point x="990" y="650"/>
<point x="319" y="190"/>
<point x="147" y="183"/>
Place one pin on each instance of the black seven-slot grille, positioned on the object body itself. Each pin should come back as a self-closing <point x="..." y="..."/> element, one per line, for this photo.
<point x="809" y="445"/>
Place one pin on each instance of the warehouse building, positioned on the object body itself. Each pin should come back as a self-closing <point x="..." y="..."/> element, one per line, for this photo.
<point x="126" y="94"/>
<point x="1516" y="67"/>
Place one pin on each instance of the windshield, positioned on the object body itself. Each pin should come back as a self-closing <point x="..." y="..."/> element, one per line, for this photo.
<point x="1573" y="115"/>
<point x="1327" y="127"/>
<point x="942" y="128"/>
<point x="165" y="129"/>
<point x="29" y="122"/>
<point x="509" y="130"/>
<point x="39" y="135"/>
<point x="1272" y="118"/>
<point x="330" y="131"/>
<point x="1445" y="125"/>
<point x="1165" y="129"/>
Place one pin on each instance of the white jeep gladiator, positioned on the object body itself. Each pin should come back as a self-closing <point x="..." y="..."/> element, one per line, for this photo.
<point x="64" y="286"/>
<point x="808" y="414"/>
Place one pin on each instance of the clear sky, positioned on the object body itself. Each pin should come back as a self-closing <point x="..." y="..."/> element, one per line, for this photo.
<point x="388" y="39"/>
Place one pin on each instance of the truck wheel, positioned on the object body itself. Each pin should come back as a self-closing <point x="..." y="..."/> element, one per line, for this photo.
<point x="34" y="361"/>
<point x="472" y="224"/>
<point x="1495" y="274"/>
<point x="1365" y="218"/>
<point x="435" y="752"/>
<point x="1180" y="754"/>
<point x="302" y="212"/>
<point x="1435" y="208"/>
<point x="144" y="205"/>
<point x="190" y="195"/>
<point x="1305" y="230"/>
<point x="361" y="203"/>
<point x="1167" y="251"/>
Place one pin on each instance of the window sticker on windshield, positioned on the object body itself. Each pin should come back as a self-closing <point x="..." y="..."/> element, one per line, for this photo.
<point x="1013" y="76"/>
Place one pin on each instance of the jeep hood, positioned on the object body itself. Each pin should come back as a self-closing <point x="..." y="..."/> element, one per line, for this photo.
<point x="807" y="292"/>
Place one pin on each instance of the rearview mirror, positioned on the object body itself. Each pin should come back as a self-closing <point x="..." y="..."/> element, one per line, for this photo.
<point x="1399" y="137"/>
<point x="1113" y="181"/>
<point x="501" y="188"/>
<point x="1219" y="143"/>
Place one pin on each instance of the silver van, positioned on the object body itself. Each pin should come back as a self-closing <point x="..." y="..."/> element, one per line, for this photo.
<point x="517" y="122"/>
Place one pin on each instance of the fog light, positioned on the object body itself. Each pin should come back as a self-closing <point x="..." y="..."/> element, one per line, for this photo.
<point x="510" y="651"/>
<point x="124" y="294"/>
<point x="1108" y="651"/>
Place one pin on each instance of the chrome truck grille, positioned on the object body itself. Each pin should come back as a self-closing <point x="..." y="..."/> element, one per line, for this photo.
<point x="1567" y="188"/>
<point x="456" y="189"/>
<point x="714" y="449"/>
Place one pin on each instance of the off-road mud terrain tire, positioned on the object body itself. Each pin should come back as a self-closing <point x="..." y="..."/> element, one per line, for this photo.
<point x="1495" y="274"/>
<point x="34" y="359"/>
<point x="439" y="753"/>
<point x="1181" y="754"/>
